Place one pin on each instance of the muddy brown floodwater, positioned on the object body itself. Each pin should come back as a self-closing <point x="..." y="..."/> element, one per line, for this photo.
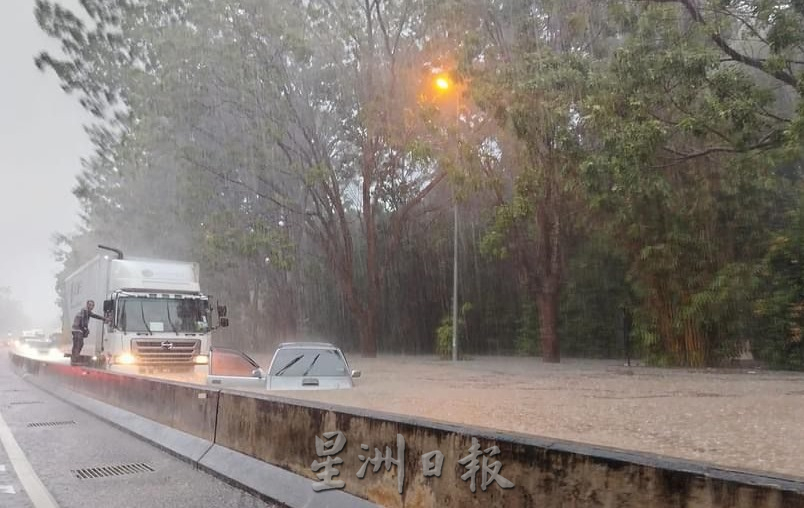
<point x="743" y="419"/>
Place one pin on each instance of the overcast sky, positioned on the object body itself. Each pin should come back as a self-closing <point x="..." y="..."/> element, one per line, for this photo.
<point x="41" y="144"/>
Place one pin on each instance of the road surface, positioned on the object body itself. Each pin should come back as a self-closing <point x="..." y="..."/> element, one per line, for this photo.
<point x="55" y="455"/>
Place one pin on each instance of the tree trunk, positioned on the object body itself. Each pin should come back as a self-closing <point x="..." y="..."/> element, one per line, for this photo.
<point x="368" y="337"/>
<point x="547" y="304"/>
<point x="289" y="305"/>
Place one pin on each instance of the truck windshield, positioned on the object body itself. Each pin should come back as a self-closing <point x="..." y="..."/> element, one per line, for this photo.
<point x="162" y="315"/>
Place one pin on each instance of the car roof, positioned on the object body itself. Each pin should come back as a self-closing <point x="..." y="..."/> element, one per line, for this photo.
<point x="307" y="345"/>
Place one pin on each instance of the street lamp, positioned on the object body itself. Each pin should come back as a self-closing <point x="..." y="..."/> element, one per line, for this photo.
<point x="444" y="84"/>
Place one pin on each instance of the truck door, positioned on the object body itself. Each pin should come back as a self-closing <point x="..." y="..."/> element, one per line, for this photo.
<point x="109" y="324"/>
<point x="233" y="368"/>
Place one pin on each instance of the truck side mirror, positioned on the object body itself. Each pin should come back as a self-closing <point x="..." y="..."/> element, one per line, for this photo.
<point x="108" y="306"/>
<point x="222" y="311"/>
<point x="224" y="322"/>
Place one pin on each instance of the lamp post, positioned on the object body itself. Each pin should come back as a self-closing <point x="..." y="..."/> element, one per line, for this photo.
<point x="443" y="84"/>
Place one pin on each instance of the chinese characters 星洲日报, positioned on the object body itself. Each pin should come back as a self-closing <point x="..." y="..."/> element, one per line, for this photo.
<point x="432" y="462"/>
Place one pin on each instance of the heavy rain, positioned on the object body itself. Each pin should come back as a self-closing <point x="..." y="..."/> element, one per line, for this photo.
<point x="571" y="229"/>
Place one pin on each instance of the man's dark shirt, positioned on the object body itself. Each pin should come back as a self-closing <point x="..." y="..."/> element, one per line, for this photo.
<point x="81" y="320"/>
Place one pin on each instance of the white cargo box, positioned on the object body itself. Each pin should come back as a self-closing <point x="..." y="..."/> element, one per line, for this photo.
<point x="154" y="275"/>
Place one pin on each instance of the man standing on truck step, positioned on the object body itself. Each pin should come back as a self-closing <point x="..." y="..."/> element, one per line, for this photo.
<point x="81" y="329"/>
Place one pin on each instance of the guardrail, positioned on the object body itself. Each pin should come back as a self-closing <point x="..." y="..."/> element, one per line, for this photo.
<point x="438" y="463"/>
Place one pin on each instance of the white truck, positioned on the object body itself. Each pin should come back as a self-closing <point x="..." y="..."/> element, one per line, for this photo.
<point x="157" y="316"/>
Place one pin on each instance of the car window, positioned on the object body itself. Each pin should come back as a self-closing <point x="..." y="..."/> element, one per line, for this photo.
<point x="308" y="362"/>
<point x="229" y="362"/>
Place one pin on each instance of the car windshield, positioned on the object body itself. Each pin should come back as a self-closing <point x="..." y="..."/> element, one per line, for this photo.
<point x="291" y="362"/>
<point x="162" y="315"/>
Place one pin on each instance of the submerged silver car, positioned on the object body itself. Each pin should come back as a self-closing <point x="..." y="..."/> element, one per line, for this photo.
<point x="295" y="366"/>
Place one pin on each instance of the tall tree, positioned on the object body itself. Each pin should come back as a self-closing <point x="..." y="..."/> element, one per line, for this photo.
<point x="528" y="65"/>
<point x="687" y="134"/>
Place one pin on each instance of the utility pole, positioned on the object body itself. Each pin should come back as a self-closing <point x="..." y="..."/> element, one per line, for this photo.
<point x="444" y="84"/>
<point x="455" y="287"/>
<point x="627" y="335"/>
<point x="455" y="237"/>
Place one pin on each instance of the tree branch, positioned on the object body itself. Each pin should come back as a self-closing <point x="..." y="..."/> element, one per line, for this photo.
<point x="767" y="141"/>
<point x="399" y="217"/>
<point x="756" y="63"/>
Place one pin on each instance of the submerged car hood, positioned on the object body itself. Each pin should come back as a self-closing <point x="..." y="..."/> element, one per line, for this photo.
<point x="309" y="383"/>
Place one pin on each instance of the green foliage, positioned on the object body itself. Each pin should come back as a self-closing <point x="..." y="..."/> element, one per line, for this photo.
<point x="594" y="294"/>
<point x="780" y="306"/>
<point x="684" y="176"/>
<point x="444" y="338"/>
<point x="527" y="337"/>
<point x="259" y="240"/>
<point x="722" y="310"/>
<point x="443" y="345"/>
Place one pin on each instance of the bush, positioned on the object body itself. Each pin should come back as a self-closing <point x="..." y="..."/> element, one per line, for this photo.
<point x="444" y="333"/>
<point x="781" y="305"/>
<point x="444" y="338"/>
<point x="527" y="341"/>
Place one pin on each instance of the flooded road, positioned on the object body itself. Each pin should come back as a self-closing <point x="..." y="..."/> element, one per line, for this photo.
<point x="712" y="416"/>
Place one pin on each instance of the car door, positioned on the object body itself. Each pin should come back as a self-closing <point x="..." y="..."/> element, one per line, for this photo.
<point x="233" y="368"/>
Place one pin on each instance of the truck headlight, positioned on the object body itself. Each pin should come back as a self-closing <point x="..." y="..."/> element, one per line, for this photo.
<point x="201" y="360"/>
<point x="126" y="359"/>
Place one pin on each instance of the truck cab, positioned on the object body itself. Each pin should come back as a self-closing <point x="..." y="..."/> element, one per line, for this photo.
<point x="156" y="317"/>
<point x="157" y="329"/>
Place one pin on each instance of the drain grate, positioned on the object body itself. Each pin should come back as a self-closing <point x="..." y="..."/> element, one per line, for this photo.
<point x="50" y="424"/>
<point x="23" y="402"/>
<point x="106" y="471"/>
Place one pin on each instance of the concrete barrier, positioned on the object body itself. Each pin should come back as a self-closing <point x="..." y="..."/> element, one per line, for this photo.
<point x="544" y="473"/>
<point x="186" y="407"/>
<point x="541" y="472"/>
